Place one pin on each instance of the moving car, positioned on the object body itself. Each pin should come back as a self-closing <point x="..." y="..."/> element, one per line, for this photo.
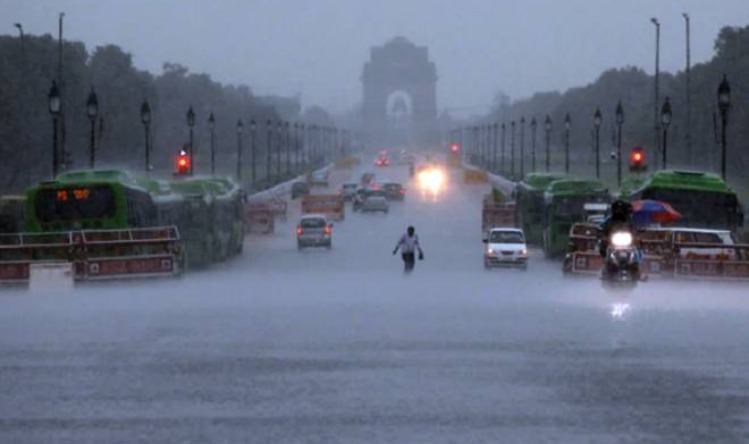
<point x="394" y="191"/>
<point x="363" y="193"/>
<point x="348" y="190"/>
<point x="375" y="202"/>
<point x="319" y="178"/>
<point x="314" y="230"/>
<point x="367" y="178"/>
<point x="382" y="161"/>
<point x="299" y="189"/>
<point x="505" y="247"/>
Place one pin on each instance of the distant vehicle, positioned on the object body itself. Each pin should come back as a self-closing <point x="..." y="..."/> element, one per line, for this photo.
<point x="319" y="179"/>
<point x="314" y="230"/>
<point x="348" y="189"/>
<point x="374" y="203"/>
<point x="382" y="160"/>
<point x="394" y="191"/>
<point x="363" y="193"/>
<point x="299" y="189"/>
<point x="505" y="247"/>
<point x="367" y="178"/>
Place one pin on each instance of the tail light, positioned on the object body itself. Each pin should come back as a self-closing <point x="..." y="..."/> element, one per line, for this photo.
<point x="299" y="230"/>
<point x="403" y="191"/>
<point x="328" y="230"/>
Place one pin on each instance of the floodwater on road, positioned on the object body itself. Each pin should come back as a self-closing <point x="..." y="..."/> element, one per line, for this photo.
<point x="340" y="346"/>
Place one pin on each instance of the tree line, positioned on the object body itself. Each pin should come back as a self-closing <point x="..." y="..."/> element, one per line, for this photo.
<point x="635" y="89"/>
<point x="29" y="65"/>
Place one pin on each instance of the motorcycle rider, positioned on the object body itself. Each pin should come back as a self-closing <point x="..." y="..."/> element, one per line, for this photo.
<point x="408" y="244"/>
<point x="619" y="220"/>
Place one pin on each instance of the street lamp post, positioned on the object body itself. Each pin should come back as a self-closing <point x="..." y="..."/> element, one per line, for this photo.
<point x="54" y="109"/>
<point x="656" y="99"/>
<point x="724" y="104"/>
<point x="145" y="118"/>
<point x="253" y="152"/>
<point x="597" y="120"/>
<point x="303" y="153"/>
<point x="297" y="151"/>
<point x="240" y="131"/>
<point x="279" y="147"/>
<point x="567" y="127"/>
<point x="495" y="127"/>
<point x="502" y="149"/>
<point x="619" y="122"/>
<point x="268" y="149"/>
<point x="512" y="150"/>
<point x="212" y="129"/>
<point x="665" y="122"/>
<point x="92" y="109"/>
<point x="191" y="124"/>
<point x="522" y="148"/>
<point x="687" y="88"/>
<point x="547" y="128"/>
<point x="534" y="125"/>
<point x="287" y="136"/>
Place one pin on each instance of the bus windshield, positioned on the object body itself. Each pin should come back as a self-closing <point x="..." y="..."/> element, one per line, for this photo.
<point x="75" y="203"/>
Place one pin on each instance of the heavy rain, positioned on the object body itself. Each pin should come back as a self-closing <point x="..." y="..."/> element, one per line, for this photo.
<point x="205" y="214"/>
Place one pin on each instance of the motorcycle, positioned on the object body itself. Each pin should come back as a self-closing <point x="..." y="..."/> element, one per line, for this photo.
<point x="621" y="265"/>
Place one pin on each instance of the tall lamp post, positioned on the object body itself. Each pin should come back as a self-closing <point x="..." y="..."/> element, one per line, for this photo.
<point x="619" y="114"/>
<point x="547" y="128"/>
<point x="92" y="109"/>
<point x="687" y="90"/>
<point x="54" y="109"/>
<point x="212" y="129"/>
<point x="534" y="125"/>
<point x="512" y="150"/>
<point x="268" y="149"/>
<point x="297" y="152"/>
<point x="253" y="170"/>
<point x="656" y="99"/>
<point x="191" y="124"/>
<point x="665" y="122"/>
<point x="567" y="127"/>
<point x="303" y="154"/>
<point x="287" y="136"/>
<point x="522" y="148"/>
<point x="145" y="118"/>
<point x="597" y="120"/>
<point x="279" y="148"/>
<point x="724" y="104"/>
<point x="502" y="149"/>
<point x="240" y="132"/>
<point x="495" y="127"/>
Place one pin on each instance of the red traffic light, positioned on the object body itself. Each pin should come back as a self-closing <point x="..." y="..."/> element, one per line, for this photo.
<point x="182" y="163"/>
<point x="637" y="160"/>
<point x="454" y="147"/>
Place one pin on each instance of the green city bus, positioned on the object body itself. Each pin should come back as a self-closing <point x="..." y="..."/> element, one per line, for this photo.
<point x="208" y="213"/>
<point x="529" y="203"/>
<point x="703" y="199"/>
<point x="564" y="200"/>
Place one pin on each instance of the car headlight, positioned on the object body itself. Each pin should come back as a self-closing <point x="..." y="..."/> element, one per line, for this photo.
<point x="489" y="251"/>
<point x="621" y="239"/>
<point x="524" y="252"/>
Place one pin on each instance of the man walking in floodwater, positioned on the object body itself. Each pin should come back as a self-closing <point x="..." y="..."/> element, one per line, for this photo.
<point x="408" y="245"/>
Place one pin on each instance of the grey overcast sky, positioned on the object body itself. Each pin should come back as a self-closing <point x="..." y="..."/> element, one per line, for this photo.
<point x="317" y="48"/>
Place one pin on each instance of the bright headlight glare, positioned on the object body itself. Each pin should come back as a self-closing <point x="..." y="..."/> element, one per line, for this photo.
<point x="621" y="239"/>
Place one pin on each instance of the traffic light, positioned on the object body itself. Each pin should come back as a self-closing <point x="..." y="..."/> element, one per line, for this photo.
<point x="454" y="148"/>
<point x="637" y="160"/>
<point x="182" y="163"/>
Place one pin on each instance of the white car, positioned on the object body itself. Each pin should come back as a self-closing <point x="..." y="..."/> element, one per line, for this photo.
<point x="505" y="247"/>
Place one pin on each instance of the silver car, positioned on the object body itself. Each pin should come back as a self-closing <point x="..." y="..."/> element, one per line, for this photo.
<point x="375" y="203"/>
<point x="314" y="230"/>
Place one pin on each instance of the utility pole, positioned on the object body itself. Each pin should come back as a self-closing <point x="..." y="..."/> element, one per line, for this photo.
<point x="687" y="73"/>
